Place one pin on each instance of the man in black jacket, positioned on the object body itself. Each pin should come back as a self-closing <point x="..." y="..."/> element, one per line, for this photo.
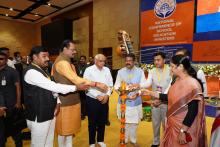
<point x="40" y="94"/>
<point x="2" y="126"/>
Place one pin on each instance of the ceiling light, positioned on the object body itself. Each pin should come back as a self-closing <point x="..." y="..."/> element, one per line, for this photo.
<point x="11" y="9"/>
<point x="36" y="14"/>
<point x="49" y="4"/>
<point x="6" y="14"/>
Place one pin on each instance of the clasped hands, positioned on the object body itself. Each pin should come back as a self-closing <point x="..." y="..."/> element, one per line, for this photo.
<point x="103" y="98"/>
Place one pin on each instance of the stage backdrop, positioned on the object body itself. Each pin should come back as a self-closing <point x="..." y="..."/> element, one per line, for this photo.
<point x="168" y="25"/>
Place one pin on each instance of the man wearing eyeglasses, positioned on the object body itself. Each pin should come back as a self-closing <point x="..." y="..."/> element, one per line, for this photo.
<point x="97" y="101"/>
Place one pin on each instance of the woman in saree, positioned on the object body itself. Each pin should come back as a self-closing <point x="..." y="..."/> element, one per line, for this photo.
<point x="185" y="126"/>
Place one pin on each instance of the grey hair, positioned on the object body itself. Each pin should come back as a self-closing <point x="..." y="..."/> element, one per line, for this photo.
<point x="98" y="56"/>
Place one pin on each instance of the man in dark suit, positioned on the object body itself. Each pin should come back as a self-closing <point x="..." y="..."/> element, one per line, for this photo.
<point x="2" y="126"/>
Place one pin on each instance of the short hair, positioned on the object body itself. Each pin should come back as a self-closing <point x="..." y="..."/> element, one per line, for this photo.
<point x="162" y="54"/>
<point x="36" y="50"/>
<point x="185" y="51"/>
<point x="3" y="54"/>
<point x="4" y="49"/>
<point x="16" y="54"/>
<point x="131" y="56"/>
<point x="82" y="56"/>
<point x="66" y="43"/>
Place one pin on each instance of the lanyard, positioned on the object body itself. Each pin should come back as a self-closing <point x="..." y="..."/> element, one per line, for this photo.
<point x="41" y="70"/>
<point x="159" y="77"/>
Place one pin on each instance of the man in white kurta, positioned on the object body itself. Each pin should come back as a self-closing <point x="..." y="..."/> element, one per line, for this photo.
<point x="134" y="77"/>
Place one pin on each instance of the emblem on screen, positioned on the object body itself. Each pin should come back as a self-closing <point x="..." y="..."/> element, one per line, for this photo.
<point x="164" y="8"/>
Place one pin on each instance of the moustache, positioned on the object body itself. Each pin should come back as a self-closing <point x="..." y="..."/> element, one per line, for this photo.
<point x="46" y="62"/>
<point x="128" y="64"/>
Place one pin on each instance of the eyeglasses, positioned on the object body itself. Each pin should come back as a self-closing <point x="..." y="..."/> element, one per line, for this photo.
<point x="101" y="60"/>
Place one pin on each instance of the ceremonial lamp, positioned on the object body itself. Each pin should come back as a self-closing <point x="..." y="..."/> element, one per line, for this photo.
<point x="123" y="90"/>
<point x="123" y="95"/>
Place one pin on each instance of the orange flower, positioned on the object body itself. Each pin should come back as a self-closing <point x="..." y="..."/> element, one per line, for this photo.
<point x="123" y="120"/>
<point x="123" y="107"/>
<point x="122" y="136"/>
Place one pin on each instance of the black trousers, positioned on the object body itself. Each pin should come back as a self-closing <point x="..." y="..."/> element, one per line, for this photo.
<point x="2" y="132"/>
<point x="11" y="130"/>
<point x="83" y="103"/>
<point x="97" y="114"/>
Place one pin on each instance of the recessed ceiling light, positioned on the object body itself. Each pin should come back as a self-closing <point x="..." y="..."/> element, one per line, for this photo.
<point x="11" y="9"/>
<point x="49" y="4"/>
<point x="6" y="14"/>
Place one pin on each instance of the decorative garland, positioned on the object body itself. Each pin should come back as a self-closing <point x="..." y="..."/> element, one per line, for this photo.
<point x="209" y="70"/>
<point x="123" y="109"/>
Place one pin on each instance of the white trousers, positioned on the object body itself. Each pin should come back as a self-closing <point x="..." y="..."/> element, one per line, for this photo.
<point x="42" y="134"/>
<point x="65" y="141"/>
<point x="131" y="132"/>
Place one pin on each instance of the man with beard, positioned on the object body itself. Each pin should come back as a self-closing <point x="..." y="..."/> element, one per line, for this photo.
<point x="134" y="77"/>
<point x="40" y="94"/>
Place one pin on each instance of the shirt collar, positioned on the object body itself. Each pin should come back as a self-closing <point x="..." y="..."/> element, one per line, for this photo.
<point x="131" y="69"/>
<point x="96" y="68"/>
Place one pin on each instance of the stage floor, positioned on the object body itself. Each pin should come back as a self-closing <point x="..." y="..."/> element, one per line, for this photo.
<point x="145" y="132"/>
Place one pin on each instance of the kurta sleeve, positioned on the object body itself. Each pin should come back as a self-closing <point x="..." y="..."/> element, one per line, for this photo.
<point x="64" y="68"/>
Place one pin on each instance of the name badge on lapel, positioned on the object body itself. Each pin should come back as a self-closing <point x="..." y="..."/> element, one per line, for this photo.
<point x="3" y="81"/>
<point x="159" y="89"/>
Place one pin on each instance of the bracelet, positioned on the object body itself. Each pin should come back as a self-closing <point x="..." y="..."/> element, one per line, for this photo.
<point x="95" y="84"/>
<point x="182" y="131"/>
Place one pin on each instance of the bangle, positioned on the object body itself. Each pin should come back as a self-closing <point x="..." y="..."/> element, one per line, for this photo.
<point x="95" y="84"/>
<point x="182" y="131"/>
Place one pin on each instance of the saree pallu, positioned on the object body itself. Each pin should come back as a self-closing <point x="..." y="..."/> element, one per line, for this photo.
<point x="68" y="121"/>
<point x="180" y="95"/>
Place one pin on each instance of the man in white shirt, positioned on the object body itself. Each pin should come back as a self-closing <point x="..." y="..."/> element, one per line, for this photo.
<point x="41" y="99"/>
<point x="159" y="79"/>
<point x="97" y="100"/>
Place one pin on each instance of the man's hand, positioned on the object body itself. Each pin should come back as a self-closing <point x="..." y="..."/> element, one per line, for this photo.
<point x="105" y="99"/>
<point x="100" y="98"/>
<point x="133" y="87"/>
<point x="150" y="93"/>
<point x="83" y="87"/>
<point x="156" y="102"/>
<point x="145" y="92"/>
<point x="18" y="105"/>
<point x="103" y="87"/>
<point x="2" y="111"/>
<point x="57" y="110"/>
